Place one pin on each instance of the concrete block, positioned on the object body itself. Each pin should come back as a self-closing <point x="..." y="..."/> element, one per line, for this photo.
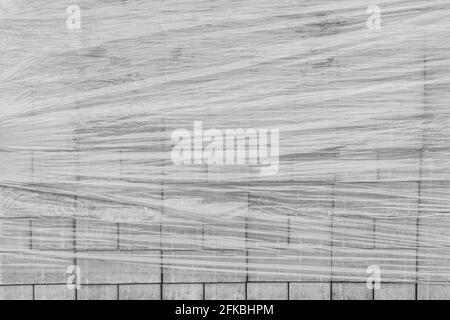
<point x="289" y="265"/>
<point x="437" y="133"/>
<point x="434" y="231"/>
<point x="53" y="292"/>
<point x="267" y="223"/>
<point x="112" y="267"/>
<point x="356" y="166"/>
<point x="398" y="164"/>
<point x="34" y="267"/>
<point x="434" y="197"/>
<point x="301" y="221"/>
<point x="397" y="227"/>
<point x="380" y="199"/>
<point x="358" y="208"/>
<point x="298" y="197"/>
<point x="433" y="291"/>
<point x="396" y="265"/>
<point x="351" y="291"/>
<point x="145" y="235"/>
<point x="225" y="291"/>
<point x="310" y="231"/>
<point x="395" y="232"/>
<point x="27" y="204"/>
<point x="308" y="166"/>
<point x="435" y="166"/>
<point x="181" y="234"/>
<point x="396" y="291"/>
<point x="310" y="207"/>
<point x="434" y="222"/>
<point x="353" y="232"/>
<point x="16" y="292"/>
<point x="98" y="292"/>
<point x="216" y="217"/>
<point x="16" y="166"/>
<point x="352" y="225"/>
<point x="190" y="291"/>
<point x="49" y="167"/>
<point x="225" y="233"/>
<point x="94" y="164"/>
<point x="433" y="264"/>
<point x="95" y="234"/>
<point x="15" y="234"/>
<point x="268" y="229"/>
<point x="53" y="233"/>
<point x="309" y="291"/>
<point x="204" y="266"/>
<point x="140" y="292"/>
<point x="267" y="291"/>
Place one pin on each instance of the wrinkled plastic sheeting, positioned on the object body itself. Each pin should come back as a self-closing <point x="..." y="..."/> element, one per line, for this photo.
<point x="87" y="116"/>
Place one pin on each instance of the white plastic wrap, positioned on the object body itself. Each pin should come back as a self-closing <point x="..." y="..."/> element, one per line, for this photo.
<point x="87" y="117"/>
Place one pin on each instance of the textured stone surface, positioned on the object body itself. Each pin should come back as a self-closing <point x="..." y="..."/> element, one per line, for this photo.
<point x="309" y="291"/>
<point x="112" y="267"/>
<point x="98" y="292"/>
<point x="190" y="291"/>
<point x="53" y="292"/>
<point x="16" y="292"/>
<point x="351" y="291"/>
<point x="433" y="291"/>
<point x="225" y="291"/>
<point x="267" y="291"/>
<point x="140" y="292"/>
<point x="396" y="291"/>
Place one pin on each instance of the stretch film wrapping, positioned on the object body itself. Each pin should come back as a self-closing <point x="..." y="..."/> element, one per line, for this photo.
<point x="357" y="107"/>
